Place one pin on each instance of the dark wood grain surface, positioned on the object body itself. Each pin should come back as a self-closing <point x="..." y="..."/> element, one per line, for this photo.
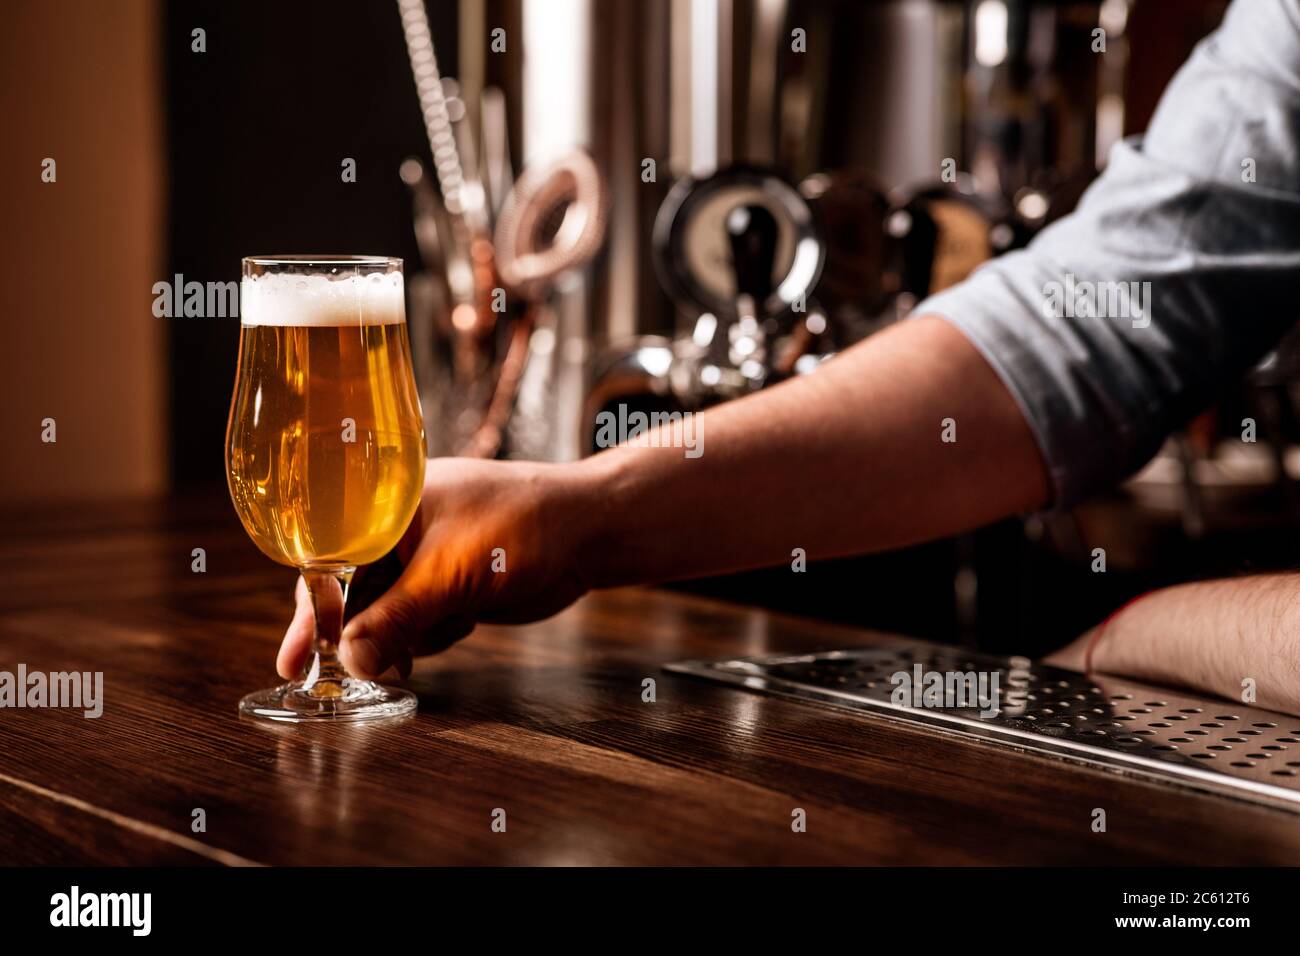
<point x="546" y="722"/>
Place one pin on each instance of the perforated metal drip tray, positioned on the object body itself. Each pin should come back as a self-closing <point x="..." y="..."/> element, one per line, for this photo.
<point x="1105" y="722"/>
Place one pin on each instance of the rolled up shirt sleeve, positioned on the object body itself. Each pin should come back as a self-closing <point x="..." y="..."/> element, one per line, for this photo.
<point x="1178" y="271"/>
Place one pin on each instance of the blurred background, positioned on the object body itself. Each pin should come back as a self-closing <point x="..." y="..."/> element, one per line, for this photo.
<point x="684" y="200"/>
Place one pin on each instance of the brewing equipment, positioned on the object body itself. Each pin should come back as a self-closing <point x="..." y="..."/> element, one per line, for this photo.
<point x="882" y="150"/>
<point x="494" y="246"/>
<point x="738" y="251"/>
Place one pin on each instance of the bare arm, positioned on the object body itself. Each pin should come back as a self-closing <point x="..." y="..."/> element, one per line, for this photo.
<point x="1211" y="635"/>
<point x="847" y="460"/>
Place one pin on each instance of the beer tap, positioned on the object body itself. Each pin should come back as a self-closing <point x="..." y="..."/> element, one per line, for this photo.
<point x="739" y="253"/>
<point x="752" y="231"/>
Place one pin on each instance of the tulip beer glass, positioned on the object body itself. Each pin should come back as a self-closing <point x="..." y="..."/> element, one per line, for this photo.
<point x="325" y="449"/>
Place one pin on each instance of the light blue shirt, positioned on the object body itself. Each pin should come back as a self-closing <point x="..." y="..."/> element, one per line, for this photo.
<point x="1202" y="214"/>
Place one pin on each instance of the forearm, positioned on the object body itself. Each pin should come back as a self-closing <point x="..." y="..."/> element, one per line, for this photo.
<point x="847" y="460"/>
<point x="1210" y="635"/>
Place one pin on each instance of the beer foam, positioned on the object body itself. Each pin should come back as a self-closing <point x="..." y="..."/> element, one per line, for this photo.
<point x="317" y="300"/>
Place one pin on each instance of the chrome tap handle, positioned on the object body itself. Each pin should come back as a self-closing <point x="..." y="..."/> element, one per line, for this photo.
<point x="753" y="232"/>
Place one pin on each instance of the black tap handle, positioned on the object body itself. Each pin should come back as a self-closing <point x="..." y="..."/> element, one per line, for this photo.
<point x="753" y="232"/>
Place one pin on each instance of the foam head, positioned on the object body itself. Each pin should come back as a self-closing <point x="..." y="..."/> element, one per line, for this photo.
<point x="316" y="300"/>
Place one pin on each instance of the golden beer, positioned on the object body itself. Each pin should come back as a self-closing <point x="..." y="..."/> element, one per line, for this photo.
<point x="325" y="445"/>
<point x="325" y="451"/>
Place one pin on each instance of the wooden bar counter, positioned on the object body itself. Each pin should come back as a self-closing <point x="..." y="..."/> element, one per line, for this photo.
<point x="545" y="722"/>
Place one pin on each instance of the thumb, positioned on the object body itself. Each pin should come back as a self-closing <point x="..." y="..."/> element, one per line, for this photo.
<point x="412" y="617"/>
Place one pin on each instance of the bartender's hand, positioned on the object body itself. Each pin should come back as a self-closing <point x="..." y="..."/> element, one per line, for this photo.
<point x="440" y="582"/>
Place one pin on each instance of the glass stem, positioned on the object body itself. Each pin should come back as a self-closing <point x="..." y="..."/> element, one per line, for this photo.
<point x="329" y="595"/>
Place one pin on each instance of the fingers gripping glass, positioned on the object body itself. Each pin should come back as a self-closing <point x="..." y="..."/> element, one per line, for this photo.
<point x="325" y="450"/>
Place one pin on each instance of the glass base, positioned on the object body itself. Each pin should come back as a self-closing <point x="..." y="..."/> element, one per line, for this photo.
<point x="354" y="700"/>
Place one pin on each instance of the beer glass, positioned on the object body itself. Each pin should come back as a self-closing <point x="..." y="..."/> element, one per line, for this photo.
<point x="325" y="450"/>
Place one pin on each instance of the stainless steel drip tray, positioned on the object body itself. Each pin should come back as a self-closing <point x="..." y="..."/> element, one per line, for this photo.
<point x="1106" y="722"/>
